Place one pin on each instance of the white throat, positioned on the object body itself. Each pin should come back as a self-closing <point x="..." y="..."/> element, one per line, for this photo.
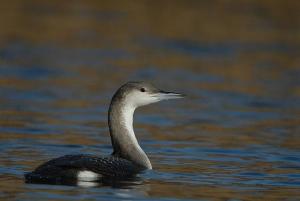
<point x="123" y="136"/>
<point x="127" y="113"/>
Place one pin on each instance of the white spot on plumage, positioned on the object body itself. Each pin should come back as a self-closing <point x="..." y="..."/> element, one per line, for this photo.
<point x="87" y="175"/>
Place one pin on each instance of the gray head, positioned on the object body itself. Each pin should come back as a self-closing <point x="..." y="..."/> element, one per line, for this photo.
<point x="137" y="94"/>
<point x="120" y="118"/>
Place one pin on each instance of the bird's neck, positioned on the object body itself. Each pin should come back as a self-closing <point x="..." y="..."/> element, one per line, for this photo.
<point x="124" y="142"/>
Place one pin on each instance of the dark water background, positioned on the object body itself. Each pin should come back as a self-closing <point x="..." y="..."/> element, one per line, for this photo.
<point x="236" y="136"/>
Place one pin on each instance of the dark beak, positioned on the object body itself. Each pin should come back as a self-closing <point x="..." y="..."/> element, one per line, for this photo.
<point x="165" y="95"/>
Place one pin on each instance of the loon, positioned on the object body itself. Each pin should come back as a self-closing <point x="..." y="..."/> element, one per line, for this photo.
<point x="127" y="159"/>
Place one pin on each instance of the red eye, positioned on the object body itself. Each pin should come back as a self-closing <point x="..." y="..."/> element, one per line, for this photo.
<point x="142" y="89"/>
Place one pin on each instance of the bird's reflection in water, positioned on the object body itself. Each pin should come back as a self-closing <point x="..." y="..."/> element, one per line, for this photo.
<point x="128" y="182"/>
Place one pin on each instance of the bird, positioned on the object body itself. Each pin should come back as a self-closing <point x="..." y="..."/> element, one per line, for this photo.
<point x="127" y="158"/>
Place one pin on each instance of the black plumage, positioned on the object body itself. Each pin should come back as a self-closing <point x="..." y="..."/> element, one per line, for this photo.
<point x="66" y="168"/>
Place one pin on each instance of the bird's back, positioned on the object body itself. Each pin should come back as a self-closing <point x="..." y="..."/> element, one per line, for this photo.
<point x="71" y="168"/>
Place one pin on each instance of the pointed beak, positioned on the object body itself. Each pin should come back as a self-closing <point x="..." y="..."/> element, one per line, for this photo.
<point x="165" y="95"/>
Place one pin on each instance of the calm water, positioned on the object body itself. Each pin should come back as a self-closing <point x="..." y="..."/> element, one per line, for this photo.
<point x="236" y="135"/>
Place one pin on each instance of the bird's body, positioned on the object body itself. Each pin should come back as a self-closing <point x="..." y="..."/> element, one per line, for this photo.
<point x="127" y="159"/>
<point x="82" y="167"/>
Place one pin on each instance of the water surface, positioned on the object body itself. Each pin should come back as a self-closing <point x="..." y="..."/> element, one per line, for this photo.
<point x="235" y="136"/>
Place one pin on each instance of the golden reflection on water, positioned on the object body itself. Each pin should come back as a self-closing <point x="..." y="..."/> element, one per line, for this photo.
<point x="207" y="49"/>
<point x="62" y="22"/>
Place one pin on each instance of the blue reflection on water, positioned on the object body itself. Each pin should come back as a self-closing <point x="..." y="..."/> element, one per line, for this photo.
<point x="41" y="121"/>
